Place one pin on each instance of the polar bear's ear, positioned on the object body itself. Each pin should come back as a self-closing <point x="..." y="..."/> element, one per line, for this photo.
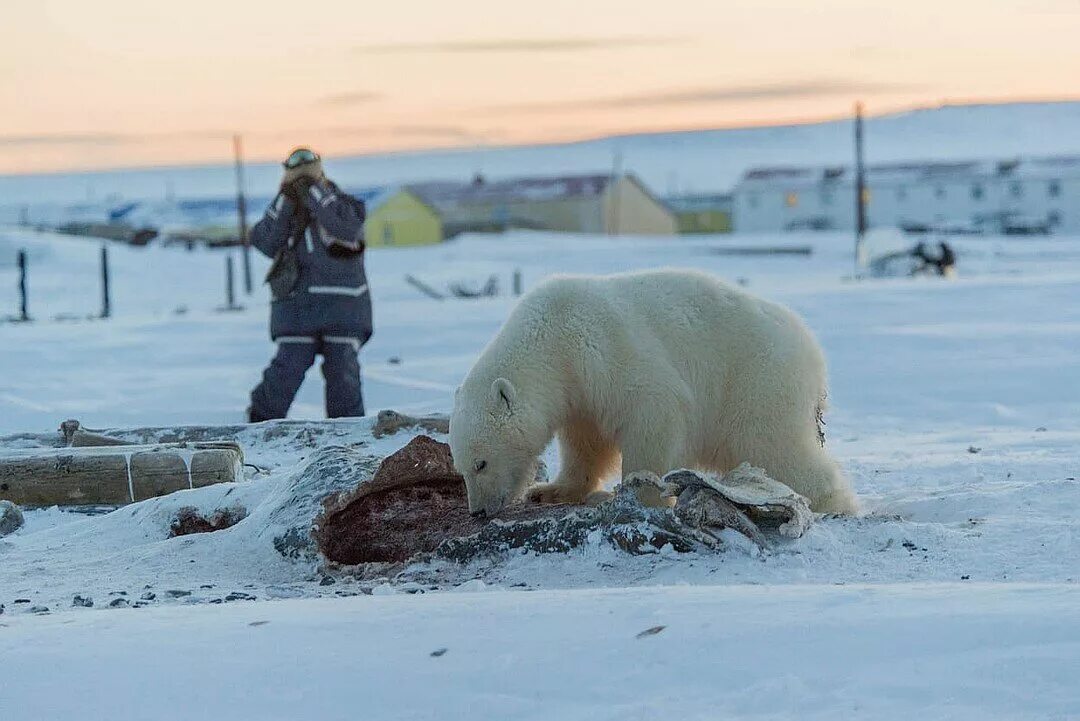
<point x="503" y="391"/>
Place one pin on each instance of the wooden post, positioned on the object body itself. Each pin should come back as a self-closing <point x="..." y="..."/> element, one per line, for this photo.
<point x="106" y="305"/>
<point x="230" y="293"/>
<point x="24" y="315"/>
<point x="241" y="211"/>
<point x="114" y="475"/>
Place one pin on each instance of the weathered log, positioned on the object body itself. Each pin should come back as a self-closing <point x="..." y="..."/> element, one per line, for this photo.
<point x="77" y="436"/>
<point x="389" y="422"/>
<point x="115" y="475"/>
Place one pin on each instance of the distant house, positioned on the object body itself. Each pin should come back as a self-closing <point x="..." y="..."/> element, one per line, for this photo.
<point x="575" y="204"/>
<point x="702" y="213"/>
<point x="398" y="217"/>
<point x="1037" y="194"/>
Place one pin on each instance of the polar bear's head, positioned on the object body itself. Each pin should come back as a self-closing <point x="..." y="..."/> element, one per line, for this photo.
<point x="492" y="445"/>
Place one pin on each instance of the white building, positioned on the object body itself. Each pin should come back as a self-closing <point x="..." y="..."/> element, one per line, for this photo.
<point x="1034" y="195"/>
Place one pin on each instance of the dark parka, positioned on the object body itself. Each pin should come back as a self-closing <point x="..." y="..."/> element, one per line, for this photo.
<point x="330" y="298"/>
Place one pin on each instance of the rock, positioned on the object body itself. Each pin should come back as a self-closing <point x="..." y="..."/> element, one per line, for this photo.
<point x="82" y="601"/>
<point x="331" y="471"/>
<point x="119" y="603"/>
<point x="11" y="518"/>
<point x="177" y="593"/>
<point x="38" y="609"/>
<point x="188" y="520"/>
<point x="148" y="596"/>
<point x="238" y="596"/>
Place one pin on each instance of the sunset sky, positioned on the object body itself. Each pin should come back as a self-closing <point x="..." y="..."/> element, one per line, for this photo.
<point x="108" y="83"/>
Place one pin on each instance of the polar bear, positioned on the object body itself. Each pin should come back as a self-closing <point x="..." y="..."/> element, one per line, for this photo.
<point x="662" y="369"/>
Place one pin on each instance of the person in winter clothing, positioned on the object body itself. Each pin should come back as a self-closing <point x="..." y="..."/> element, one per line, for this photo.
<point x="321" y="305"/>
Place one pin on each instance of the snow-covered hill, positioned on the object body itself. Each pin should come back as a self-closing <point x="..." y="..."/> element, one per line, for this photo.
<point x="707" y="160"/>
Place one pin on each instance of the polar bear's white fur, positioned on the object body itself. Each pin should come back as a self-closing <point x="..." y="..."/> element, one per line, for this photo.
<point x="666" y="369"/>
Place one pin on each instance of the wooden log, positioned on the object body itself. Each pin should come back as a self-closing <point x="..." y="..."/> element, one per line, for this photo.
<point x="389" y="422"/>
<point x="116" y="475"/>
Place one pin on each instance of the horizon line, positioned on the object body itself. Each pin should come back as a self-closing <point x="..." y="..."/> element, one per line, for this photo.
<point x="464" y="148"/>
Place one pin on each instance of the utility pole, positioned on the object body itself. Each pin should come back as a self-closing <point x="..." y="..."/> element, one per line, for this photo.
<point x="860" y="185"/>
<point x="241" y="210"/>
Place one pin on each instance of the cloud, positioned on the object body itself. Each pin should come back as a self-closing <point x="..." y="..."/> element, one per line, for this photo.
<point x="108" y="139"/>
<point x="430" y="132"/>
<point x="66" y="139"/>
<point x="358" y="97"/>
<point x="725" y="94"/>
<point x="524" y="45"/>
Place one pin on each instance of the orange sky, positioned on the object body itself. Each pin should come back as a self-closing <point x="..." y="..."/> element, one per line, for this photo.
<point x="106" y="83"/>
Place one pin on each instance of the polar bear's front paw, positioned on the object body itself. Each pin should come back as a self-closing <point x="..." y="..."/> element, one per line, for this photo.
<point x="554" y="493"/>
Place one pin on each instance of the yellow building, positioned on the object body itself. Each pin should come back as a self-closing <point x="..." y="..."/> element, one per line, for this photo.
<point x="399" y="218"/>
<point x="572" y="204"/>
<point x="702" y="213"/>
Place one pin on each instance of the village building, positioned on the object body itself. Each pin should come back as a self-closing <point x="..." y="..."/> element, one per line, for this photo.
<point x="573" y="204"/>
<point x="1033" y="195"/>
<point x="398" y="217"/>
<point x="702" y="212"/>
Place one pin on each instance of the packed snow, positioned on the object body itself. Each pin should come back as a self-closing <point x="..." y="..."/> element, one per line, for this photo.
<point x="953" y="408"/>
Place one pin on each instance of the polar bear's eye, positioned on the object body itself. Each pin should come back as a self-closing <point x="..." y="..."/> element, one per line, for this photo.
<point x="481" y="465"/>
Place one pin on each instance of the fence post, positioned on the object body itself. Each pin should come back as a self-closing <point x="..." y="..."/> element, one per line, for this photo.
<point x="23" y="314"/>
<point x="106" y="305"/>
<point x="230" y="292"/>
<point x="517" y="281"/>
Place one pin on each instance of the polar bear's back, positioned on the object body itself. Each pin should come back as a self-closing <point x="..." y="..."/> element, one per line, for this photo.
<point x="672" y="306"/>
<point x="684" y="332"/>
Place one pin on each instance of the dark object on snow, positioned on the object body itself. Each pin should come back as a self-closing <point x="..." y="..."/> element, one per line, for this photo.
<point x="315" y="233"/>
<point x="11" y="518"/>
<point x="82" y="601"/>
<point x="188" y="520"/>
<point x="110" y="231"/>
<point x="488" y="290"/>
<point x="650" y="632"/>
<point x="416" y="506"/>
<point x="424" y="288"/>
<point x="390" y="422"/>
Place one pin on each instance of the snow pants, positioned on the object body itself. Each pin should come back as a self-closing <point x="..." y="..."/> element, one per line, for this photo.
<point x="282" y="378"/>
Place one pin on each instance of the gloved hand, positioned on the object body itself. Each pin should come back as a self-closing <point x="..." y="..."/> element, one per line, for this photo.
<point x="301" y="186"/>
<point x="288" y="189"/>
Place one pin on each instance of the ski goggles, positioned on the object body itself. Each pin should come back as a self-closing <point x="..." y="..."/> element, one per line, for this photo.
<point x="300" y="156"/>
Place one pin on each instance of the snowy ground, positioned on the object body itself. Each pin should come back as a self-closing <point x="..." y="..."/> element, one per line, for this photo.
<point x="954" y="409"/>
